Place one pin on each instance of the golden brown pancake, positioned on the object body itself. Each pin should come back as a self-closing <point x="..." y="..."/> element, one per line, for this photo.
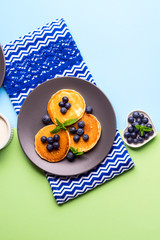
<point x="54" y="155"/>
<point x="92" y="128"/>
<point x="75" y="111"/>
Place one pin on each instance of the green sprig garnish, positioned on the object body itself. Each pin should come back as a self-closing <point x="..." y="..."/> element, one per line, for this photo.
<point x="75" y="151"/>
<point x="143" y="129"/>
<point x="63" y="125"/>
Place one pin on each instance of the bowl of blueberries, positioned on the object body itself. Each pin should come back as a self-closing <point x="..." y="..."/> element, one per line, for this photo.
<point x="140" y="129"/>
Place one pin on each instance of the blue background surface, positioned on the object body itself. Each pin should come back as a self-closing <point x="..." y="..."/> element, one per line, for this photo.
<point x="119" y="41"/>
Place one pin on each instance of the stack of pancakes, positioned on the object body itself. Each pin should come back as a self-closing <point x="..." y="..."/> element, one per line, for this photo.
<point x="77" y="110"/>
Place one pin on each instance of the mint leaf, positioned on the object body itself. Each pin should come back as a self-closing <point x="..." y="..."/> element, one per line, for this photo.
<point x="63" y="127"/>
<point x="79" y="153"/>
<point x="60" y="126"/>
<point x="75" y="151"/>
<point x="147" y="129"/>
<point x="56" y="130"/>
<point x="143" y="129"/>
<point x="70" y="122"/>
<point x="138" y="126"/>
<point x="59" y="123"/>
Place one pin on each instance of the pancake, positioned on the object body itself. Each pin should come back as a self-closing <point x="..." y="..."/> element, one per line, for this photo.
<point x="54" y="155"/>
<point x="92" y="128"/>
<point x="76" y="110"/>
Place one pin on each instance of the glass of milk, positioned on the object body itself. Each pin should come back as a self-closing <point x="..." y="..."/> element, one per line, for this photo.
<point x="6" y="131"/>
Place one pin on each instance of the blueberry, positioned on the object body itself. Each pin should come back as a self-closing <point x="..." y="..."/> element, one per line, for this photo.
<point x="72" y="130"/>
<point x="141" y="115"/>
<point x="140" y="139"/>
<point x="50" y="140"/>
<point x="89" y="109"/>
<point x="139" y="121"/>
<point x="150" y="133"/>
<point x="81" y="124"/>
<point x="127" y="134"/>
<point x="130" y="129"/>
<point x="56" y="145"/>
<point x="65" y="99"/>
<point x="136" y="130"/>
<point x="142" y="124"/>
<point x="130" y="119"/>
<point x="63" y="110"/>
<point x="46" y="119"/>
<point x="80" y="131"/>
<point x="76" y="138"/>
<point x="133" y="135"/>
<point x="85" y="137"/>
<point x="145" y="120"/>
<point x="56" y="138"/>
<point x="43" y="139"/>
<point x="70" y="156"/>
<point x="49" y="147"/>
<point x="146" y="136"/>
<point x="129" y="140"/>
<point x="68" y="105"/>
<point x="149" y="125"/>
<point x="135" y="141"/>
<point x="61" y="104"/>
<point x="134" y="124"/>
<point x="136" y="114"/>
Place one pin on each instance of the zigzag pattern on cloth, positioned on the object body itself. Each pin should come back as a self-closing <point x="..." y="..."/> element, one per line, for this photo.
<point x="117" y="162"/>
<point x="44" y="54"/>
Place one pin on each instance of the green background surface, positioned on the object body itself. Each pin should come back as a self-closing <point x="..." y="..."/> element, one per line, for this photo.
<point x="126" y="207"/>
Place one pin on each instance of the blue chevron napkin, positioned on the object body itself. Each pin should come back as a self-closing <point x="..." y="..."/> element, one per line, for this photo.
<point x="51" y="52"/>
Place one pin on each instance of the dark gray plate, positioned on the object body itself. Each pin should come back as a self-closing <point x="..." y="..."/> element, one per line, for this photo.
<point x="2" y="66"/>
<point x="34" y="107"/>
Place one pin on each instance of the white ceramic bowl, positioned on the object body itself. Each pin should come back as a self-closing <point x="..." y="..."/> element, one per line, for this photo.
<point x="129" y="124"/>
<point x="6" y="131"/>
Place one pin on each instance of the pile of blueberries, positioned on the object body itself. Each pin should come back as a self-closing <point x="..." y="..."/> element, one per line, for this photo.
<point x="64" y="104"/>
<point x="79" y="132"/>
<point x="53" y="142"/>
<point x="133" y="135"/>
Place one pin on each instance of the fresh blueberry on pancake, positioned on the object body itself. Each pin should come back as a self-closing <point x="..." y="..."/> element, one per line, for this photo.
<point x="61" y="104"/>
<point x="50" y="140"/>
<point x="85" y="137"/>
<point x="72" y="130"/>
<point x="65" y="99"/>
<point x="81" y="124"/>
<point x="80" y="131"/>
<point x="68" y="105"/>
<point x="49" y="147"/>
<point x="76" y="138"/>
<point x="56" y="138"/>
<point x="56" y="145"/>
<point x="63" y="110"/>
